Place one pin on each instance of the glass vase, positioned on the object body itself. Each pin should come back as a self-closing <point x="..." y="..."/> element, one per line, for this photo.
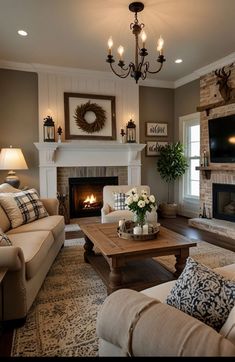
<point x="140" y="219"/>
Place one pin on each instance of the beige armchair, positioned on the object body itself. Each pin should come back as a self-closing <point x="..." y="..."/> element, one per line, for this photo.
<point x="109" y="214"/>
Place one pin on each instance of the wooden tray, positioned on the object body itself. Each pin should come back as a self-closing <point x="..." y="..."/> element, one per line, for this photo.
<point x="127" y="232"/>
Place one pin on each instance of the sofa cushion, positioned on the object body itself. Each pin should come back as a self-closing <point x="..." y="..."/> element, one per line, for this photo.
<point x="22" y="207"/>
<point x="160" y="291"/>
<point x="228" y="329"/>
<point x="228" y="271"/>
<point x="54" y="223"/>
<point x="35" y="246"/>
<point x="4" y="240"/>
<point x="5" y="187"/>
<point x="4" y="220"/>
<point x="203" y="294"/>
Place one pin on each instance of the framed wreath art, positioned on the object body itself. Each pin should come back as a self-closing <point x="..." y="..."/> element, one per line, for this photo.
<point x="89" y="116"/>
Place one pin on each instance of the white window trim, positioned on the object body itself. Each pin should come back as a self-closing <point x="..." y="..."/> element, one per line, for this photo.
<point x="188" y="206"/>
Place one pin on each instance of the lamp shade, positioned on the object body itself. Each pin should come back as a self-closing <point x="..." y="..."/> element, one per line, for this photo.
<point x="12" y="159"/>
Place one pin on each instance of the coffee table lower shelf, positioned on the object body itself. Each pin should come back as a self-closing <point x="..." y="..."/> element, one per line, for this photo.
<point x="136" y="275"/>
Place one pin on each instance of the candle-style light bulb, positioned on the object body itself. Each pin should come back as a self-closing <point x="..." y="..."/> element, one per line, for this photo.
<point x="160" y="44"/>
<point x="120" y="51"/>
<point x="110" y="44"/>
<point x="143" y="37"/>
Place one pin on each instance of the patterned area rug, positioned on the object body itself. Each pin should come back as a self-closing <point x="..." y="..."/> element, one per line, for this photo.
<point x="211" y="255"/>
<point x="62" y="320"/>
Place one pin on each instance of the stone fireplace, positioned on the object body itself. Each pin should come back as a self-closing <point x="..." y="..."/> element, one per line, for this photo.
<point x="219" y="173"/>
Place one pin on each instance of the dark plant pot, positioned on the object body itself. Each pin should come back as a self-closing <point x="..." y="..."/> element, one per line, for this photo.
<point x="168" y="210"/>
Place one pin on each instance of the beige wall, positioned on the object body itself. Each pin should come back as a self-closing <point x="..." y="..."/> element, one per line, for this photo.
<point x="156" y="105"/>
<point x="164" y="105"/>
<point x="19" y="120"/>
<point x="187" y="99"/>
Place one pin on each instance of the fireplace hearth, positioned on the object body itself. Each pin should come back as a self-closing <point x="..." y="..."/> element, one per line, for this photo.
<point x="223" y="201"/>
<point x="86" y="195"/>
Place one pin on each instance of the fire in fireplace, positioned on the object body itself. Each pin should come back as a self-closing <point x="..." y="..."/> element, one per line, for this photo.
<point x="223" y="201"/>
<point x="86" y="195"/>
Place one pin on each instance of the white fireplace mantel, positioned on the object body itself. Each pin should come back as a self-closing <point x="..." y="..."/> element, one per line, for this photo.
<point x="86" y="154"/>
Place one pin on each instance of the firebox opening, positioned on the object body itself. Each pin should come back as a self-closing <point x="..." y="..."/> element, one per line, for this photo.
<point x="224" y="201"/>
<point x="86" y="195"/>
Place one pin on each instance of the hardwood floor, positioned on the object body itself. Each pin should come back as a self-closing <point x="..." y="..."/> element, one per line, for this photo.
<point x="179" y="225"/>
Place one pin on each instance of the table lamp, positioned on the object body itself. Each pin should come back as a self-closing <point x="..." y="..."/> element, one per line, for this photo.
<point x="12" y="159"/>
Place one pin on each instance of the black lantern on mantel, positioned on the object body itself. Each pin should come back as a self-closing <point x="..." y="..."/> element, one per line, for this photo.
<point x="49" y="129"/>
<point x="130" y="132"/>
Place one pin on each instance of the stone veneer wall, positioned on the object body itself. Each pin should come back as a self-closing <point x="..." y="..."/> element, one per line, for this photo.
<point x="64" y="173"/>
<point x="209" y="94"/>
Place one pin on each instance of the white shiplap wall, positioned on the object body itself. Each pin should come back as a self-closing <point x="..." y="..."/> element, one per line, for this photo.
<point x="53" y="84"/>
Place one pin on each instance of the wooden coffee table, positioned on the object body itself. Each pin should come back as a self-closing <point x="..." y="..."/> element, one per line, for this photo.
<point x="129" y="262"/>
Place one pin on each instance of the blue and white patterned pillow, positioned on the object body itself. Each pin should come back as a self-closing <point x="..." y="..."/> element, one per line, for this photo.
<point x="203" y="294"/>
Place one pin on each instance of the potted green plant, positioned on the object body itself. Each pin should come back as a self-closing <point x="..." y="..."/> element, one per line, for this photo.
<point x="171" y="164"/>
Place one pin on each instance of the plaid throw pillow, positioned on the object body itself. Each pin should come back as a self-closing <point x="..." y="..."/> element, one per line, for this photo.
<point x="22" y="207"/>
<point x="119" y="201"/>
<point x="4" y="240"/>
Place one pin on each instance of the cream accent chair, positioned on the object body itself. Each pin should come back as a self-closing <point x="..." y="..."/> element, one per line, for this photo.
<point x="110" y="215"/>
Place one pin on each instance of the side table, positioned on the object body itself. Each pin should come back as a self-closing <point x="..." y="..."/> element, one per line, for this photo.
<point x="3" y="272"/>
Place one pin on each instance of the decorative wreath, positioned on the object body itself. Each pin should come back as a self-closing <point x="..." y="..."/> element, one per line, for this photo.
<point x="95" y="126"/>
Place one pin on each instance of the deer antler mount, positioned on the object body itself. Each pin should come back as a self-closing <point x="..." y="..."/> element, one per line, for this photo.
<point x="226" y="91"/>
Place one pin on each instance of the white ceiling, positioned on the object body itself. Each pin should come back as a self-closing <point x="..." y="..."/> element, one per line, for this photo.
<point x="74" y="33"/>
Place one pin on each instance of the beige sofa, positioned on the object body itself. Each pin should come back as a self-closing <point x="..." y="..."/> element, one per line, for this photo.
<point x="34" y="248"/>
<point x="109" y="214"/>
<point x="134" y="323"/>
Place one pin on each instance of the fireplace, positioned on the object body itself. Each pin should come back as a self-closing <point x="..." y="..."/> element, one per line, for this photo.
<point x="223" y="201"/>
<point x="86" y="195"/>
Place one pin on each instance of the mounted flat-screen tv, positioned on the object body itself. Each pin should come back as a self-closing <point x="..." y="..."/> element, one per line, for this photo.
<point x="222" y="139"/>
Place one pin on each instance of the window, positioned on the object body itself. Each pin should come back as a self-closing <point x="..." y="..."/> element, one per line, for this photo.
<point x="192" y="152"/>
<point x="189" y="184"/>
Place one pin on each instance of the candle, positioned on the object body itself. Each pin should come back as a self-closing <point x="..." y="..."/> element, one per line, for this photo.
<point x="143" y="38"/>
<point x="120" y="51"/>
<point x="121" y="222"/>
<point x="110" y="44"/>
<point x="137" y="230"/>
<point x="145" y="229"/>
<point x="160" y="44"/>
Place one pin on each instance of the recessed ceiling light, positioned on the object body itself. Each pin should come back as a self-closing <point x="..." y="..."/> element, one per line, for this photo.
<point x="177" y="61"/>
<point x="22" y="32"/>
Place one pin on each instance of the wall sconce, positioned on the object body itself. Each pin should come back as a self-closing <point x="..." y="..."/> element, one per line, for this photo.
<point x="131" y="132"/>
<point x="49" y="130"/>
<point x="12" y="159"/>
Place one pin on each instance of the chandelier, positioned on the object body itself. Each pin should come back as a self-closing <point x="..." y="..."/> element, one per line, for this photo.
<point x="140" y="67"/>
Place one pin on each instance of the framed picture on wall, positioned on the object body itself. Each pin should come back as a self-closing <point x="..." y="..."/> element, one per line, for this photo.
<point x="156" y="129"/>
<point x="152" y="147"/>
<point x="89" y="116"/>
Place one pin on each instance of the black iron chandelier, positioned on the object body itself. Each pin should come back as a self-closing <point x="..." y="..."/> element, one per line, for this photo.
<point x="138" y="69"/>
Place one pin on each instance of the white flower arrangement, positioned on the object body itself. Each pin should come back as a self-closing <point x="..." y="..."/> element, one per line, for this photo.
<point x="140" y="204"/>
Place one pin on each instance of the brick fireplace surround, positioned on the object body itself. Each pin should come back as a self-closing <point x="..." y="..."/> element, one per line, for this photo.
<point x="221" y="173"/>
